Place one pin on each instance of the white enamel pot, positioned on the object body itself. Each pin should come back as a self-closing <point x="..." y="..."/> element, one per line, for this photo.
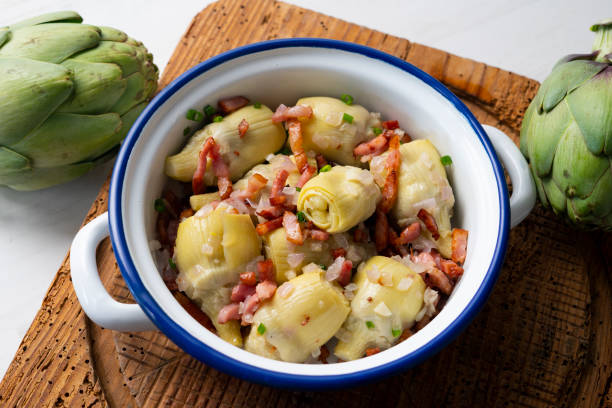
<point x="282" y="71"/>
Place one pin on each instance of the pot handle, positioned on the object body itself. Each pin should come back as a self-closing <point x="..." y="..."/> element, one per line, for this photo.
<point x="96" y="302"/>
<point x="523" y="195"/>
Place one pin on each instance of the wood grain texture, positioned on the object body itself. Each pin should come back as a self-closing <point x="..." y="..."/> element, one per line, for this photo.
<point x="543" y="339"/>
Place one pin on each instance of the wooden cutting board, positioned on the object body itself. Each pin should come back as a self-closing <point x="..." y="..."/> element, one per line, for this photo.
<point x="543" y="339"/>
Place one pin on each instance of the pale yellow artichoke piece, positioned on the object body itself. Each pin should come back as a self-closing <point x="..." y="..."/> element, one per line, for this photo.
<point x="297" y="325"/>
<point x="210" y="253"/>
<point x="422" y="183"/>
<point x="381" y="309"/>
<point x="327" y="133"/>
<point x="200" y="200"/>
<point x="339" y="199"/>
<point x="262" y="139"/>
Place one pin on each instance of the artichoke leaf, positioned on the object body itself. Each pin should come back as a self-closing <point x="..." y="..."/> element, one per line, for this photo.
<point x="112" y="34"/>
<point x="598" y="203"/>
<point x="554" y="195"/>
<point x="54" y="17"/>
<point x="37" y="178"/>
<point x="544" y="134"/>
<point x="53" y="42"/>
<point x="122" y="54"/>
<point x="11" y="161"/>
<point x="211" y="302"/>
<point x="200" y="200"/>
<point x="133" y="94"/>
<point x="31" y="91"/>
<point x="128" y="119"/>
<point x="5" y="35"/>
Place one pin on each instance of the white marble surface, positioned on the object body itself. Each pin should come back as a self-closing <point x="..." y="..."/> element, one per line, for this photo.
<point x="524" y="36"/>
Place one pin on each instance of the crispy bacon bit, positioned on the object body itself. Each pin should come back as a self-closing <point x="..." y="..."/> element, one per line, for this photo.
<point x="269" y="226"/>
<point x="360" y="235"/>
<point x="389" y="191"/>
<point x="318" y="235"/>
<point x="197" y="182"/>
<point x="409" y="234"/>
<point x="271" y="212"/>
<point x="194" y="311"/>
<point x="459" y="245"/>
<point x="374" y="147"/>
<point x="429" y="222"/>
<point x="236" y="153"/>
<point x="345" y="273"/>
<point x="229" y="312"/>
<point x="422" y="323"/>
<point x="405" y="334"/>
<point x="390" y="124"/>
<point x="251" y="304"/>
<point x="221" y="170"/>
<point x="451" y="269"/>
<point x="435" y="255"/>
<point x="255" y="183"/>
<point x="306" y="320"/>
<point x="306" y="175"/>
<point x="248" y="278"/>
<point x="265" y="270"/>
<point x="186" y="213"/>
<point x="241" y="291"/>
<point x="394" y="242"/>
<point x="294" y="127"/>
<point x="324" y="354"/>
<point x="265" y="290"/>
<point x="381" y="231"/>
<point x="276" y="195"/>
<point x="173" y="204"/>
<point x="292" y="228"/>
<point x="284" y="113"/>
<point x="338" y="252"/>
<point x="321" y="161"/>
<point x="435" y="278"/>
<point x="371" y="351"/>
<point x="243" y="126"/>
<point x="231" y="104"/>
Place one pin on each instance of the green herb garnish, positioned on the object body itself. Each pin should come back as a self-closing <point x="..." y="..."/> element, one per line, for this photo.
<point x="257" y="105"/>
<point x="377" y="130"/>
<point x="186" y="131"/>
<point x="218" y="118"/>
<point x="286" y="151"/>
<point x="261" y="329"/>
<point x="301" y="216"/>
<point x="159" y="205"/>
<point x="325" y="168"/>
<point x="323" y="267"/>
<point x="346" y="98"/>
<point x="396" y="332"/>
<point x="369" y="324"/>
<point x="193" y="114"/>
<point x="171" y="263"/>
<point x="446" y="160"/>
<point x="298" y="189"/>
<point x="347" y="118"/>
<point x="209" y="110"/>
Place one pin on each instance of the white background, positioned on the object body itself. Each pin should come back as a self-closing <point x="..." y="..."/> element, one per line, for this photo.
<point x="523" y="36"/>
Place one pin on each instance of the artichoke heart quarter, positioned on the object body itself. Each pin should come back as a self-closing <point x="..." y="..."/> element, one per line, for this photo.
<point x="339" y="199"/>
<point x="299" y="323"/>
<point x="388" y="297"/>
<point x="261" y="139"/>
<point x="332" y="136"/>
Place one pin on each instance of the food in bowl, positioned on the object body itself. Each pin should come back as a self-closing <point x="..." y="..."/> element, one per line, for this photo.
<point x="327" y="245"/>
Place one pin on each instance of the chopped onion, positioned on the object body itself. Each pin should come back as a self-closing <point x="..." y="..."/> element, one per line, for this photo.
<point x="333" y="272"/>
<point x="207" y="249"/>
<point x="430" y="299"/>
<point x="180" y="282"/>
<point x="417" y="267"/>
<point x="404" y="284"/>
<point x="423" y="244"/>
<point x="291" y="195"/>
<point x="427" y="204"/>
<point x="270" y="157"/>
<point x="382" y="310"/>
<point x="341" y="240"/>
<point x="386" y="279"/>
<point x="238" y="205"/>
<point x="285" y="290"/>
<point x="204" y="211"/>
<point x="333" y="118"/>
<point x="316" y="246"/>
<point x="251" y="266"/>
<point x="373" y="274"/>
<point x="343" y="335"/>
<point x="316" y="352"/>
<point x="311" y="267"/>
<point x="355" y="254"/>
<point x="295" y="259"/>
<point x="351" y="287"/>
<point x="241" y="308"/>
<point x="419" y="316"/>
<point x="247" y="318"/>
<point x="446" y="193"/>
<point x="290" y="274"/>
<point x="349" y="295"/>
<point x="154" y="245"/>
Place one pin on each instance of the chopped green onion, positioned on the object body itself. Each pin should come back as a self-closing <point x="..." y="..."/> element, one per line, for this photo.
<point x="257" y="105"/>
<point x="347" y="118"/>
<point x="218" y="118"/>
<point x="369" y="324"/>
<point x="261" y="329"/>
<point x="286" y="151"/>
<point x="323" y="267"/>
<point x="396" y="332"/>
<point x="171" y="263"/>
<point x="346" y="98"/>
<point x="325" y="168"/>
<point x="298" y="189"/>
<point x="186" y="131"/>
<point x="159" y="205"/>
<point x="446" y="160"/>
<point x="193" y="114"/>
<point x="301" y="216"/>
<point x="377" y="130"/>
<point x="209" y="110"/>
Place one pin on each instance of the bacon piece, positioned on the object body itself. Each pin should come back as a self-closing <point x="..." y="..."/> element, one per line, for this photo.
<point x="266" y="227"/>
<point x="345" y="273"/>
<point x="360" y="235"/>
<point x="292" y="228"/>
<point x="197" y="182"/>
<point x="390" y="124"/>
<point x="265" y="270"/>
<point x="276" y="195"/>
<point x="405" y="334"/>
<point x="437" y="279"/>
<point x="229" y="312"/>
<point x="248" y="278"/>
<point x="451" y="269"/>
<point x="294" y="128"/>
<point x="459" y="245"/>
<point x="389" y="191"/>
<point x="318" y="235"/>
<point x="429" y="222"/>
<point x="194" y="311"/>
<point x="255" y="183"/>
<point x="271" y="212"/>
<point x="231" y="104"/>
<point x="422" y="323"/>
<point x="243" y="126"/>
<point x="241" y="291"/>
<point x="324" y="354"/>
<point x="251" y="304"/>
<point x="321" y="161"/>
<point x="409" y="234"/>
<point x="221" y="170"/>
<point x="394" y="241"/>
<point x="435" y="255"/>
<point x="186" y="213"/>
<point x="265" y="290"/>
<point x="381" y="231"/>
<point x="173" y="204"/>
<point x="306" y="175"/>
<point x="284" y="113"/>
<point x="371" y="148"/>
<point x="371" y="351"/>
<point x="338" y="252"/>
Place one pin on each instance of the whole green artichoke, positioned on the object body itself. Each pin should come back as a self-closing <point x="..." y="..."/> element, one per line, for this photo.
<point x="567" y="135"/>
<point x="69" y="93"/>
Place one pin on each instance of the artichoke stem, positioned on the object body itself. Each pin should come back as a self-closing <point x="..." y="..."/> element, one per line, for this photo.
<point x="603" y="40"/>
